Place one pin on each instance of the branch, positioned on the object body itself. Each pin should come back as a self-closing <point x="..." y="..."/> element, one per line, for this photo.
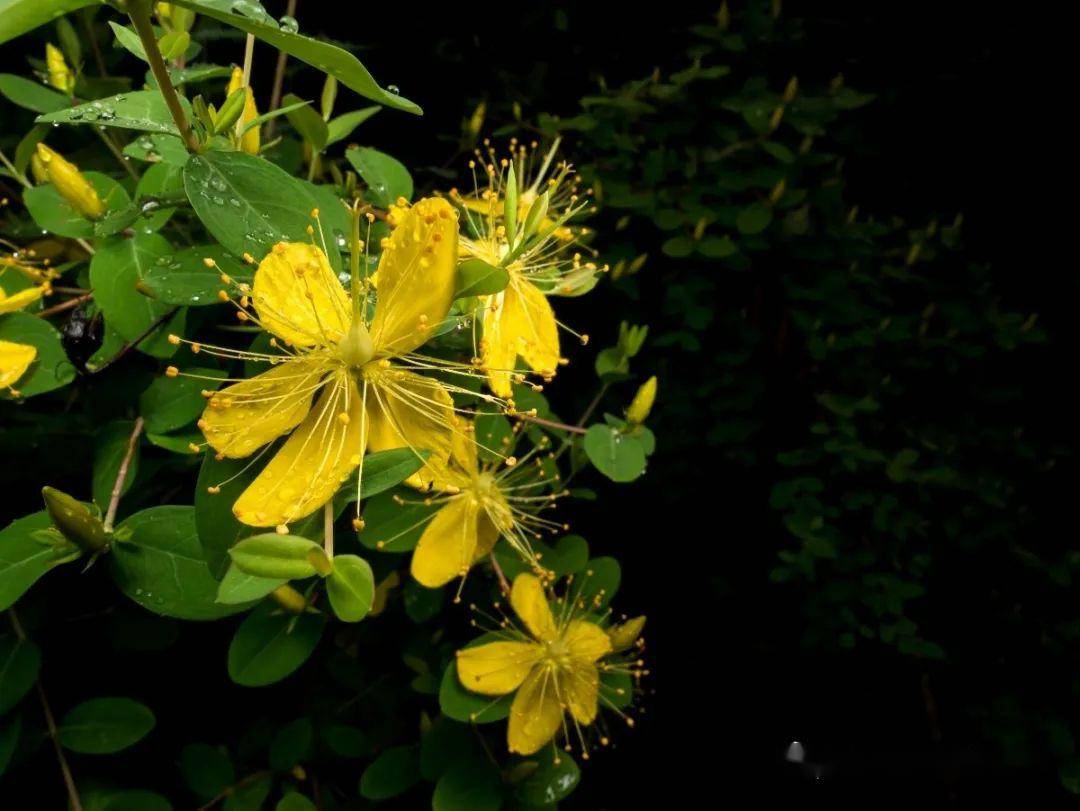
<point x="140" y="20"/>
<point x="279" y="77"/>
<point x="504" y="584"/>
<point x="561" y="426"/>
<point x="50" y="723"/>
<point x="70" y="304"/>
<point x="118" y="485"/>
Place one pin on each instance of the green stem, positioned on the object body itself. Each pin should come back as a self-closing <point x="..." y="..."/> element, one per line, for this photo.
<point x="138" y="12"/>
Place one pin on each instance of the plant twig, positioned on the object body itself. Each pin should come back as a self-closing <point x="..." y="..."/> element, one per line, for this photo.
<point x="227" y="792"/>
<point x="115" y="150"/>
<point x="121" y="475"/>
<point x="50" y="723"/>
<point x="140" y="19"/>
<point x="161" y="319"/>
<point x="70" y="304"/>
<point x="328" y="528"/>
<point x="504" y="584"/>
<point x="561" y="426"/>
<point x="279" y="77"/>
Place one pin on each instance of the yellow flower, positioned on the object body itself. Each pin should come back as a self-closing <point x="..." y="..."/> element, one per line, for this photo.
<point x="362" y="375"/>
<point x="15" y="358"/>
<point x="537" y="245"/>
<point x="642" y="403"/>
<point x="69" y="182"/>
<point x="60" y="75"/>
<point x="480" y="502"/>
<point x="554" y="665"/>
<point x="249" y="141"/>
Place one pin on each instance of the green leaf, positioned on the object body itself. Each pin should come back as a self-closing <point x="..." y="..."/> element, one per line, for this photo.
<point x="294" y="802"/>
<point x="393" y="772"/>
<point x="465" y="706"/>
<point x="110" y="447"/>
<point x="678" y="247"/>
<point x="618" y="456"/>
<point x="386" y="469"/>
<point x="169" y="403"/>
<point x="269" y="645"/>
<point x="19" y="16"/>
<point x="102" y="726"/>
<point x="28" y="549"/>
<point x="156" y="148"/>
<point x="600" y="581"/>
<point x="308" y="123"/>
<point x="128" y="40"/>
<point x="157" y="562"/>
<point x="206" y="769"/>
<point x="328" y="58"/>
<point x="53" y="213"/>
<point x="240" y="587"/>
<point x="555" y="778"/>
<point x="387" y="178"/>
<point x="116" y="271"/>
<point x="217" y="526"/>
<point x="142" y="110"/>
<point x="474" y="785"/>
<point x="9" y="740"/>
<point x="185" y="279"/>
<point x="270" y="555"/>
<point x="250" y="796"/>
<point x="445" y="745"/>
<point x="475" y="277"/>
<point x="753" y="219"/>
<point x="51" y="368"/>
<point x="717" y="247"/>
<point x="350" y="587"/>
<point x="341" y="127"/>
<point x="19" y="664"/>
<point x="346" y="741"/>
<point x="31" y="95"/>
<point x="291" y="745"/>
<point x="248" y="204"/>
<point x="393" y="527"/>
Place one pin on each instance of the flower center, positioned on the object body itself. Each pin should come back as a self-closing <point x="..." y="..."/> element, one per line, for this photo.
<point x="356" y="348"/>
<point x="557" y="654"/>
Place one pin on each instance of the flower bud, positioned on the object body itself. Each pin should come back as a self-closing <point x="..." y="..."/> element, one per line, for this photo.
<point x="249" y="141"/>
<point x="75" y="521"/>
<point x="60" y="75"/>
<point x="230" y="111"/>
<point x="625" y="634"/>
<point x="642" y="403"/>
<point x="71" y="183"/>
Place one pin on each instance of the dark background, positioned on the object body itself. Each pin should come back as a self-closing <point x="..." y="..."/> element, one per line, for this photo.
<point x="971" y="116"/>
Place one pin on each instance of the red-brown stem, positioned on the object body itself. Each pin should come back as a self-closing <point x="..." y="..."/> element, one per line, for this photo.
<point x="118" y="485"/>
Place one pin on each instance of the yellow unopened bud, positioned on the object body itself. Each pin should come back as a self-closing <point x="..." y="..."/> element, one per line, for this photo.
<point x="38" y="170"/>
<point x="70" y="183"/>
<point x="625" y="634"/>
<point x="249" y="141"/>
<point x="642" y="403"/>
<point x="60" y="75"/>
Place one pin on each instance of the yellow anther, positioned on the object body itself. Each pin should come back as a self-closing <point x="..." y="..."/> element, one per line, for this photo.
<point x="172" y="371"/>
<point x="174" y="340"/>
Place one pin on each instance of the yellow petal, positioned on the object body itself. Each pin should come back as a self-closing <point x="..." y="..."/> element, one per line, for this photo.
<point x="312" y="463"/>
<point x="530" y="603"/>
<point x="416" y="277"/>
<point x="496" y="668"/>
<point x="518" y="322"/>
<point x="498" y="347"/>
<point x="463" y="447"/>
<point x="486" y="535"/>
<point x="249" y="141"/>
<point x="447" y="546"/>
<point x="586" y="641"/>
<point x="580" y="686"/>
<point x="15" y="359"/>
<point x="406" y="410"/>
<point x="535" y="327"/>
<point x="535" y="715"/>
<point x="243" y="417"/>
<point x="20" y="299"/>
<point x="299" y="298"/>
